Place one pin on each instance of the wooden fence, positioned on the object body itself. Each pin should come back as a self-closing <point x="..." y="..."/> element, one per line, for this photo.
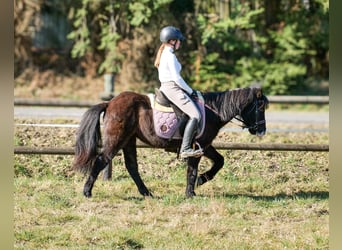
<point x="217" y="145"/>
<point x="84" y="104"/>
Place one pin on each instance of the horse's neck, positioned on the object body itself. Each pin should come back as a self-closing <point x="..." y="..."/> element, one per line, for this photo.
<point x="232" y="103"/>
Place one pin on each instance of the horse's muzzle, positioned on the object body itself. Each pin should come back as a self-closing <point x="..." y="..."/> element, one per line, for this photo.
<point x="261" y="134"/>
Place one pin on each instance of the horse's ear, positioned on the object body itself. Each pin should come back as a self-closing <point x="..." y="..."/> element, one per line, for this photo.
<point x="258" y="93"/>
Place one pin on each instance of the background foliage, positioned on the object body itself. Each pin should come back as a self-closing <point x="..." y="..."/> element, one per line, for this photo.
<point x="281" y="44"/>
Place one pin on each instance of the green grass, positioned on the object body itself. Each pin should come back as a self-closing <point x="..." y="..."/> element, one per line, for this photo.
<point x="259" y="200"/>
<point x="249" y="205"/>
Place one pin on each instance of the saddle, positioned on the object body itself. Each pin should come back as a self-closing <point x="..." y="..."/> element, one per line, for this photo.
<point x="169" y="120"/>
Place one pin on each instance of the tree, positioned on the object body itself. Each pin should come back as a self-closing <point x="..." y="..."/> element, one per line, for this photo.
<point x="280" y="44"/>
<point x="267" y="43"/>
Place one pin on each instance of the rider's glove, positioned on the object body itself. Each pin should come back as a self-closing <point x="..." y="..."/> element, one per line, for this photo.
<point x="194" y="94"/>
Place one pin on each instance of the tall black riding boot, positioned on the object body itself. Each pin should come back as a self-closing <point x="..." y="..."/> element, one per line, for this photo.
<point x="189" y="133"/>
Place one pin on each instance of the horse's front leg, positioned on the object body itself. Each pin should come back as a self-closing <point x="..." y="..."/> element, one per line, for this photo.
<point x="218" y="161"/>
<point x="99" y="165"/>
<point x="191" y="176"/>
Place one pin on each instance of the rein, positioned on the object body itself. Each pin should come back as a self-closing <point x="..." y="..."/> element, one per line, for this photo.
<point x="208" y="107"/>
<point x="214" y="111"/>
<point x="244" y="126"/>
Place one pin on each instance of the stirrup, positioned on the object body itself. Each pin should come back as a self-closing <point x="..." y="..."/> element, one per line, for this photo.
<point x="192" y="153"/>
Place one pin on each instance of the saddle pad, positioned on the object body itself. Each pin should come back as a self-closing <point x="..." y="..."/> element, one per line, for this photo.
<point x="162" y="108"/>
<point x="166" y="123"/>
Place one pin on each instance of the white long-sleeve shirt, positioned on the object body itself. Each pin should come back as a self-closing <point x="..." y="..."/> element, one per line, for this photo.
<point x="169" y="69"/>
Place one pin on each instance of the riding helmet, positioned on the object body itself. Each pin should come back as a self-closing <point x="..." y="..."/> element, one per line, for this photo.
<point x="171" y="33"/>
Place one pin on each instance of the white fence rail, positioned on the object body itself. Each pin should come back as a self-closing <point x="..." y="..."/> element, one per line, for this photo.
<point x="72" y="103"/>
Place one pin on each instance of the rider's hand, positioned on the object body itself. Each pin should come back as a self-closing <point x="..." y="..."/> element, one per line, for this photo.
<point x="194" y="94"/>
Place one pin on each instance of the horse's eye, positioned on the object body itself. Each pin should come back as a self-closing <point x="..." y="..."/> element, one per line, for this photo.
<point x="261" y="105"/>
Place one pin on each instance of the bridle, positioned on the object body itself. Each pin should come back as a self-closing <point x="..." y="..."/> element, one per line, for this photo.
<point x="257" y="110"/>
<point x="256" y="124"/>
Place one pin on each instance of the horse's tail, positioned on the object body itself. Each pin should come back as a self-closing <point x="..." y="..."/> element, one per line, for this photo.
<point x="88" y="139"/>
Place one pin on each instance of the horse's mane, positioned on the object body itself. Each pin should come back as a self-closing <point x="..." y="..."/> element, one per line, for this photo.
<point x="229" y="103"/>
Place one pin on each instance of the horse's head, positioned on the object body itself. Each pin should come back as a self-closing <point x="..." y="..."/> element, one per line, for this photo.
<point x="253" y="115"/>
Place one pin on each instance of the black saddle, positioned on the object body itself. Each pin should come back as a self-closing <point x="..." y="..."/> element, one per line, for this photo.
<point x="161" y="98"/>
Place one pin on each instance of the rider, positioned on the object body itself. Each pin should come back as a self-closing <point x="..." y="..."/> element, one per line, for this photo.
<point x="175" y="88"/>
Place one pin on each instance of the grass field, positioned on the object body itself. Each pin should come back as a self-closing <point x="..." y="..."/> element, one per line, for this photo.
<point x="259" y="200"/>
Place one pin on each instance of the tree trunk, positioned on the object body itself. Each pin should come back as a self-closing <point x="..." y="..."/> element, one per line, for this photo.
<point x="272" y="9"/>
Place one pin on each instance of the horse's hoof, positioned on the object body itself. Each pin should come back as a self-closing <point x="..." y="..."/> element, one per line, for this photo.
<point x="190" y="194"/>
<point x="201" y="180"/>
<point x="147" y="194"/>
<point x="87" y="194"/>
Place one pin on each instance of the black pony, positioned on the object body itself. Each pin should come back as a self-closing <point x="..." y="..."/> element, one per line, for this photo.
<point x="130" y="116"/>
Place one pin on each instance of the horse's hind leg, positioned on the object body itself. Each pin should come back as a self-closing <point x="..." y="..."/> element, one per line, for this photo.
<point x="110" y="149"/>
<point x="130" y="155"/>
<point x="100" y="164"/>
